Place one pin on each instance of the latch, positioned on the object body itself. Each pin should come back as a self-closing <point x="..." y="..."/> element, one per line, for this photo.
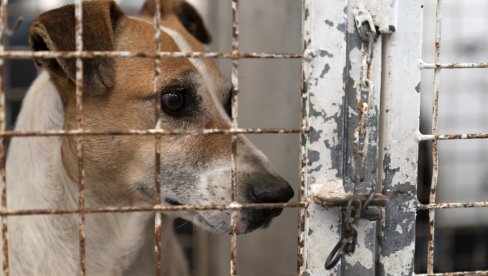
<point x="382" y="14"/>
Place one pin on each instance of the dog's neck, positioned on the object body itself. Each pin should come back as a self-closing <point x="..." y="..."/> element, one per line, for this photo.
<point x="49" y="245"/>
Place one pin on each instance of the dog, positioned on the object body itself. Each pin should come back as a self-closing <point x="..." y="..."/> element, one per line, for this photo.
<point x="118" y="94"/>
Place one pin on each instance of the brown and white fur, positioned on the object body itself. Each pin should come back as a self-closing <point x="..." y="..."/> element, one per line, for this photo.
<point x="118" y="94"/>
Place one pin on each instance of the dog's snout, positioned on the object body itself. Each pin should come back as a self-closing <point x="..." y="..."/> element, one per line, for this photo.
<point x="271" y="190"/>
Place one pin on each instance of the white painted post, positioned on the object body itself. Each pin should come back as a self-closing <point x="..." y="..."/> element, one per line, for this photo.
<point x="401" y="105"/>
<point x="324" y="35"/>
<point x="332" y="79"/>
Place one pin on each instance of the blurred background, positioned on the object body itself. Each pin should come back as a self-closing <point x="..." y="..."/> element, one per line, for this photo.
<point x="461" y="241"/>
<point x="270" y="97"/>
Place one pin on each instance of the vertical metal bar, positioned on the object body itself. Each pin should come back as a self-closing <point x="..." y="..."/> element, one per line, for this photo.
<point x="324" y="70"/>
<point x="435" y="153"/>
<point x="303" y="164"/>
<point x="3" y="29"/>
<point x="79" y="139"/>
<point x="398" y="148"/>
<point x="234" y="111"/>
<point x="157" y="149"/>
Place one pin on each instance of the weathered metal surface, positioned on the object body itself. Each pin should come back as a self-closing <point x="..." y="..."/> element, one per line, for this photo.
<point x="387" y="15"/>
<point x="399" y="150"/>
<point x="363" y="85"/>
<point x="324" y="35"/>
<point x="3" y="179"/>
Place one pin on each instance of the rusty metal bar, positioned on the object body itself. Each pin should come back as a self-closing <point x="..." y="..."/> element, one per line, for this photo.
<point x="79" y="139"/>
<point x="157" y="150"/>
<point x="3" y="179"/>
<point x="234" y="111"/>
<point x="145" y="132"/>
<point x="462" y="273"/>
<point x="454" y="65"/>
<point x="162" y="54"/>
<point x="449" y="205"/>
<point x="302" y="193"/>
<point x="435" y="153"/>
<point x="156" y="208"/>
<point x="462" y="136"/>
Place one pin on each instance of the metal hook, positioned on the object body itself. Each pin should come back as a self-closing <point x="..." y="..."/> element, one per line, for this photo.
<point x="336" y="254"/>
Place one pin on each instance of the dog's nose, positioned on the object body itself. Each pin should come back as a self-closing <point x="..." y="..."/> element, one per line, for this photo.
<point x="271" y="190"/>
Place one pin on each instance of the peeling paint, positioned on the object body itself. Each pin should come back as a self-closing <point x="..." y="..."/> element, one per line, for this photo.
<point x="325" y="53"/>
<point x="342" y="27"/>
<point x="314" y="135"/>
<point x="399" y="175"/>
<point x="325" y="70"/>
<point x="323" y="82"/>
<point x="313" y="156"/>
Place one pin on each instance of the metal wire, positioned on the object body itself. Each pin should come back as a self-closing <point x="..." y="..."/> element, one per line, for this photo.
<point x="3" y="179"/>
<point x="162" y="54"/>
<point x="435" y="155"/>
<point x="461" y="65"/>
<point x="157" y="149"/>
<point x="463" y="273"/>
<point x="234" y="111"/>
<point x="79" y="139"/>
<point x="156" y="208"/>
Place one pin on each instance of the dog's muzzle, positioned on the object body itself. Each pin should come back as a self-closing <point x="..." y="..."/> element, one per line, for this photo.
<point x="266" y="189"/>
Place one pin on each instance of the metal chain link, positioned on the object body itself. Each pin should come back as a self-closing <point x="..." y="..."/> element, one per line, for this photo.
<point x="352" y="212"/>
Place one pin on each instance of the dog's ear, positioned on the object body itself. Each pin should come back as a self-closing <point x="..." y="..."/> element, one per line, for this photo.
<point x="55" y="31"/>
<point x="186" y="13"/>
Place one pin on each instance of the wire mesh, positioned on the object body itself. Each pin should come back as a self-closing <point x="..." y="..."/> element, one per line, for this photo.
<point x="435" y="137"/>
<point x="157" y="132"/>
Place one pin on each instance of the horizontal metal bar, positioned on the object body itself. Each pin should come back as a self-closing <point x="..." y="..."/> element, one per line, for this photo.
<point x="463" y="273"/>
<point x="453" y="205"/>
<point x="335" y="201"/>
<point x="159" y="132"/>
<point x="463" y="136"/>
<point x="454" y="65"/>
<point x="128" y="54"/>
<point x="155" y="208"/>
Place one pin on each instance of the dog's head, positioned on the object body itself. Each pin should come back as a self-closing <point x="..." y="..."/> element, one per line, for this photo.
<point x="118" y="94"/>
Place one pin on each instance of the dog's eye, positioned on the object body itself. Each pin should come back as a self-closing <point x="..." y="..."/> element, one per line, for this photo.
<point x="173" y="100"/>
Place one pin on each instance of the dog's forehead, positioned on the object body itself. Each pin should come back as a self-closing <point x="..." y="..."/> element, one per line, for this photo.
<point x="138" y="34"/>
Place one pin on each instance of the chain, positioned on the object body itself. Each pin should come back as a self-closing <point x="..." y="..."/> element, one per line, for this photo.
<point x="352" y="212"/>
